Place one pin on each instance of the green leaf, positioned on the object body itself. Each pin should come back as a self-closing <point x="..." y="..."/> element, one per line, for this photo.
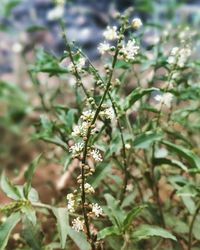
<point x="108" y="231"/>
<point x="145" y="140"/>
<point x="135" y="95"/>
<point x="9" y="189"/>
<point x="191" y="157"/>
<point x="79" y="238"/>
<point x="114" y="212"/>
<point x="61" y="215"/>
<point x="132" y="215"/>
<point x="172" y="162"/>
<point x="29" y="174"/>
<point x="196" y="228"/>
<point x="30" y="214"/>
<point x="147" y="231"/>
<point x="32" y="234"/>
<point x="176" y="224"/>
<point x="189" y="203"/>
<point x="6" y="228"/>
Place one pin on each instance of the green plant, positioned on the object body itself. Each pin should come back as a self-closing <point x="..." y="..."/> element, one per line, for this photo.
<point x="127" y="147"/>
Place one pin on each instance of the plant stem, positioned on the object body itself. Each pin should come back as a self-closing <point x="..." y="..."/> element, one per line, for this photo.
<point x="76" y="73"/>
<point x="191" y="227"/>
<point x="155" y="189"/>
<point x="125" y="168"/>
<point x="85" y="150"/>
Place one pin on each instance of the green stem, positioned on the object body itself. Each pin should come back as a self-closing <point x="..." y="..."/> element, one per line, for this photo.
<point x="125" y="168"/>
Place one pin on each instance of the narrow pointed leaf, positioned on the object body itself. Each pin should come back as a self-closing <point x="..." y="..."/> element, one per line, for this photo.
<point x="191" y="157"/>
<point x="29" y="174"/>
<point x="61" y="215"/>
<point x="6" y="228"/>
<point x="9" y="189"/>
<point x="108" y="231"/>
<point x="147" y="231"/>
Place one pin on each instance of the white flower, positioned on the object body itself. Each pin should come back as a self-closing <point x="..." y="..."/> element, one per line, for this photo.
<point x="96" y="155"/>
<point x="88" y="188"/>
<point x="184" y="53"/>
<point x="96" y="209"/>
<point x="77" y="224"/>
<point x="103" y="48"/>
<point x="110" y="33"/>
<point x="79" y="65"/>
<point x="55" y="13"/>
<point x="136" y="23"/>
<point x="164" y="99"/>
<point x="108" y="113"/>
<point x="80" y="130"/>
<point x="17" y="47"/>
<point x="77" y="148"/>
<point x="130" y="50"/>
<point x="179" y="56"/>
<point x="127" y="146"/>
<point x="71" y="203"/>
<point x="161" y="153"/>
<point x="76" y="131"/>
<point x="88" y="115"/>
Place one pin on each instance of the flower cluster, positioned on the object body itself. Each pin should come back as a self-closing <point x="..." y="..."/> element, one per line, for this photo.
<point x="110" y="33"/>
<point x="57" y="12"/>
<point x="76" y="149"/>
<point x="97" y="210"/>
<point x="136" y="23"/>
<point x="74" y="200"/>
<point x="107" y="113"/>
<point x="179" y="56"/>
<point x="77" y="224"/>
<point x="165" y="99"/>
<point x="78" y="66"/>
<point x="103" y="48"/>
<point x="129" y="50"/>
<point x="71" y="202"/>
<point x="96" y="155"/>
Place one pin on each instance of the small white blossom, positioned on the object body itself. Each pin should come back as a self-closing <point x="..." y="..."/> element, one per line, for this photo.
<point x="164" y="99"/>
<point x="96" y="155"/>
<point x="96" y="209"/>
<point x="55" y="13"/>
<point x="108" y="113"/>
<point x="103" y="48"/>
<point x="80" y="130"/>
<point x="129" y="51"/>
<point x="79" y="65"/>
<point x="88" y="115"/>
<point x="161" y="153"/>
<point x="88" y="188"/>
<point x="136" y="23"/>
<point x="17" y="47"/>
<point x="110" y="33"/>
<point x="127" y="146"/>
<point x="76" y="131"/>
<point x="71" y="203"/>
<point x="77" y="148"/>
<point x="179" y="56"/>
<point x="77" y="224"/>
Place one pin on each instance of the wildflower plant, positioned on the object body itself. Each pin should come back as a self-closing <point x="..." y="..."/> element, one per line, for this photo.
<point x="134" y="150"/>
